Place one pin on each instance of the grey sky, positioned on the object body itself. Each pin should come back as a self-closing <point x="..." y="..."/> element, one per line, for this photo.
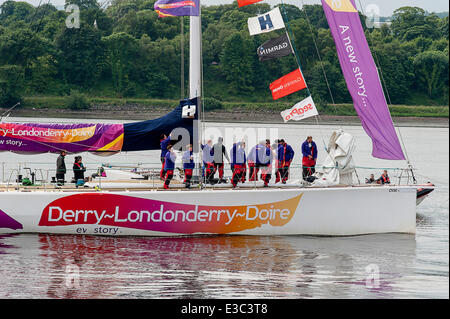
<point x="386" y="6"/>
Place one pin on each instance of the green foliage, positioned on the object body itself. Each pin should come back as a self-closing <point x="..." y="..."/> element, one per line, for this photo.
<point x="80" y="54"/>
<point x="132" y="53"/>
<point x="432" y="71"/>
<point x="121" y="50"/>
<point x="412" y="22"/>
<point x="77" y="101"/>
<point x="11" y="11"/>
<point x="11" y="85"/>
<point x="237" y="56"/>
<point x="210" y="103"/>
<point x="43" y="71"/>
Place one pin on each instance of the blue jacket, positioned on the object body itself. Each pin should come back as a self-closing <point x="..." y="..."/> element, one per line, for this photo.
<point x="306" y="150"/>
<point x="260" y="154"/>
<point x="285" y="153"/>
<point x="237" y="154"/>
<point x="169" y="162"/>
<point x="164" y="144"/>
<point x="188" y="160"/>
<point x="207" y="154"/>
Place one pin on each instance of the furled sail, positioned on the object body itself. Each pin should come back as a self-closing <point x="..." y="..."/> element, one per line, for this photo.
<point x="361" y="76"/>
<point x="102" y="139"/>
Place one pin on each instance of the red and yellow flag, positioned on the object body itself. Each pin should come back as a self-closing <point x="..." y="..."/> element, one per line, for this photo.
<point x="242" y="3"/>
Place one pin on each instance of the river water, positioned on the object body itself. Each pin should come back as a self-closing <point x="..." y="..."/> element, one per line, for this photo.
<point x="371" y="266"/>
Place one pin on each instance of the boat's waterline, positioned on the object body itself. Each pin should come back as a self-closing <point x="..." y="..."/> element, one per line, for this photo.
<point x="334" y="211"/>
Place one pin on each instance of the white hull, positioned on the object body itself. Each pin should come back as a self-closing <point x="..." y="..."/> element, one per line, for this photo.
<point x="334" y="211"/>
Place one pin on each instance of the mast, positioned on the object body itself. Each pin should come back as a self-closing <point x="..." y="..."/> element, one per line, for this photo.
<point x="195" y="58"/>
<point x="195" y="79"/>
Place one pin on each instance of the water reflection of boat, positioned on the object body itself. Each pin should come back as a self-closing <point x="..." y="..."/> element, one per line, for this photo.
<point x="212" y="266"/>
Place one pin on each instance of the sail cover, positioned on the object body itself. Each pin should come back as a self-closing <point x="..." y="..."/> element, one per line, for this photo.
<point x="180" y="122"/>
<point x="103" y="139"/>
<point x="362" y="78"/>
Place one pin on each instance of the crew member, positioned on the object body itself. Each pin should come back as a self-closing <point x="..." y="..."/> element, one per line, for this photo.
<point x="60" y="167"/>
<point x="164" y="142"/>
<point x="266" y="163"/>
<point x="309" y="151"/>
<point x="384" y="178"/>
<point x="371" y="179"/>
<point x="253" y="165"/>
<point x="238" y="163"/>
<point x="169" y="165"/>
<point x="219" y="151"/>
<point x="252" y="174"/>
<point x="208" y="161"/>
<point x="188" y="165"/>
<point x="78" y="171"/>
<point x="261" y="155"/>
<point x="285" y="155"/>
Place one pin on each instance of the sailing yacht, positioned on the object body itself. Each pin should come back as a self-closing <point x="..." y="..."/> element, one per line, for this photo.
<point x="332" y="206"/>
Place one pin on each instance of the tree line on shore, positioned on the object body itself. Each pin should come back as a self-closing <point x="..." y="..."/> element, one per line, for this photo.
<point x="125" y="50"/>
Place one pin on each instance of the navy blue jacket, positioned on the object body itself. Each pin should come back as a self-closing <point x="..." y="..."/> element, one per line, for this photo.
<point x="169" y="162"/>
<point x="306" y="150"/>
<point x="237" y="154"/>
<point x="285" y="153"/>
<point x="260" y="154"/>
<point x="164" y="144"/>
<point x="207" y="154"/>
<point x="188" y="160"/>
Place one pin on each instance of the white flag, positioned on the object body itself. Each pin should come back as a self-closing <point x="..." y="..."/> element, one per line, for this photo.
<point x="300" y="111"/>
<point x="266" y="22"/>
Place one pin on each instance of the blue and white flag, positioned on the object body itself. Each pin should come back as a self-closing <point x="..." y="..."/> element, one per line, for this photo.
<point x="266" y="22"/>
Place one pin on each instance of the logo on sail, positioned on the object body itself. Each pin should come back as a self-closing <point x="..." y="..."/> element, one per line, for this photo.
<point x="287" y="84"/>
<point x="266" y="22"/>
<point x="275" y="48"/>
<point x="341" y="5"/>
<point x="175" y="8"/>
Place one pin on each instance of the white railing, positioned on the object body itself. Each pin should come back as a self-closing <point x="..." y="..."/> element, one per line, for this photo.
<point x="44" y="178"/>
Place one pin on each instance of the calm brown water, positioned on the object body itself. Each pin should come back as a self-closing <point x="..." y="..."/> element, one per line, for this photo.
<point x="372" y="266"/>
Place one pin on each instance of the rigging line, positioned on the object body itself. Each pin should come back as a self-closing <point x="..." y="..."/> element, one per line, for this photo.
<point x="201" y="118"/>
<point x="182" y="57"/>
<point x="297" y="58"/>
<point x="289" y="31"/>
<point x="37" y="8"/>
<point x="319" y="56"/>
<point x="388" y="96"/>
<point x="42" y="18"/>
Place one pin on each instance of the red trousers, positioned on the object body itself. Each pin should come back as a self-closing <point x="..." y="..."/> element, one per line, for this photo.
<point x="282" y="172"/>
<point x="238" y="174"/>
<point x="162" y="173"/>
<point x="168" y="177"/>
<point x="187" y="176"/>
<point x="308" y="166"/>
<point x="219" y="166"/>
<point x="209" y="171"/>
<point x="252" y="171"/>
<point x="266" y="173"/>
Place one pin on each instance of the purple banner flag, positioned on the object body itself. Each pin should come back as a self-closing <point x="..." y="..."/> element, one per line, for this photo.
<point x="177" y="8"/>
<point x="73" y="138"/>
<point x="361" y="76"/>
